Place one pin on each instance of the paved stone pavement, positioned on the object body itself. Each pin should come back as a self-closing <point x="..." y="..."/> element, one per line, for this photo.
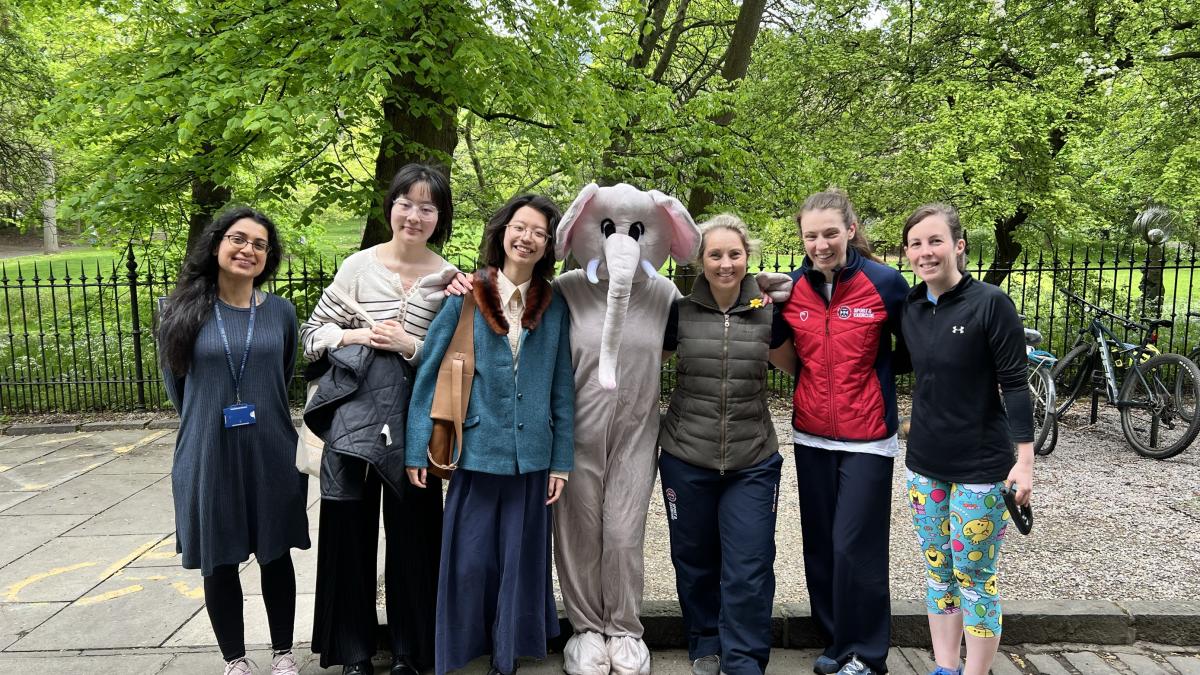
<point x="90" y="581"/>
<point x="1048" y="660"/>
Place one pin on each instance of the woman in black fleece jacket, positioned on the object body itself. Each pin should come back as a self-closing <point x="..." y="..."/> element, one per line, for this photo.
<point x="968" y="352"/>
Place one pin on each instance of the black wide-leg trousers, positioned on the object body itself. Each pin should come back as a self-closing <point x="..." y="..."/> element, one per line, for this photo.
<point x="345" y="627"/>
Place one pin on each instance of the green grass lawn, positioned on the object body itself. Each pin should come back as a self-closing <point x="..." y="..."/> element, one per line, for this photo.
<point x="340" y="238"/>
<point x="71" y="260"/>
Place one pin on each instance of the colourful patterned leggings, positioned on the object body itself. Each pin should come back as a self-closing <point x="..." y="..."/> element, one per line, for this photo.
<point x="960" y="527"/>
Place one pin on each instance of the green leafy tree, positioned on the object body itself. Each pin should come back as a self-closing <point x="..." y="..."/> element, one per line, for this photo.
<point x="24" y="87"/>
<point x="252" y="101"/>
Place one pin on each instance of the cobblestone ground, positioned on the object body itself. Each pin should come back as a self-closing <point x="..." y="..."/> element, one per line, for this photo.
<point x="1108" y="524"/>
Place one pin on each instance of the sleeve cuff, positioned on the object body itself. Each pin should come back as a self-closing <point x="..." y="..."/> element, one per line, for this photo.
<point x="328" y="336"/>
<point x="416" y="355"/>
<point x="565" y="475"/>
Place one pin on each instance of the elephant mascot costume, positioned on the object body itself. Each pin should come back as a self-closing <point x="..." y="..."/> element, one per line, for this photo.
<point x="619" y="306"/>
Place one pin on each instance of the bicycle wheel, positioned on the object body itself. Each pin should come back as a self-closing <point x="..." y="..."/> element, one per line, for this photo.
<point x="1182" y="395"/>
<point x="1155" y="421"/>
<point x="1052" y="440"/>
<point x="1070" y="375"/>
<point x="1045" y="418"/>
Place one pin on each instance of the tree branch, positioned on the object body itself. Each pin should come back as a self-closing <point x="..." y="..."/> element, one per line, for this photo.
<point x="668" y="51"/>
<point x="493" y="116"/>
<point x="1180" y="56"/>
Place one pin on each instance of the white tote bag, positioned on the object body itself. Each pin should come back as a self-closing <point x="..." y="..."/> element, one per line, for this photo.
<point x="309" y="446"/>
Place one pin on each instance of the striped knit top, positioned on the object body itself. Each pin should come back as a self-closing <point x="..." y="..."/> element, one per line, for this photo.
<point x="379" y="291"/>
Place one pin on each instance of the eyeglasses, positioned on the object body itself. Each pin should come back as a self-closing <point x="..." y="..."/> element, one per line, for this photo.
<point x="424" y="211"/>
<point x="520" y="230"/>
<point x="240" y="241"/>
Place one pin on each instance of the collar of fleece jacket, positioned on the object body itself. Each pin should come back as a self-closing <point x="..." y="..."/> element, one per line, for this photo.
<point x="487" y="297"/>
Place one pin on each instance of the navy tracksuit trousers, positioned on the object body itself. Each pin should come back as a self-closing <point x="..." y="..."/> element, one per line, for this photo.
<point x="723" y="547"/>
<point x="845" y="517"/>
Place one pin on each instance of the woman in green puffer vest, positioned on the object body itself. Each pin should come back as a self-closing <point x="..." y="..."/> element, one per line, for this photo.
<point x="720" y="464"/>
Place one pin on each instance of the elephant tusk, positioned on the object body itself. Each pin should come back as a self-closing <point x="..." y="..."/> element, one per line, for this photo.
<point x="649" y="269"/>
<point x="591" y="270"/>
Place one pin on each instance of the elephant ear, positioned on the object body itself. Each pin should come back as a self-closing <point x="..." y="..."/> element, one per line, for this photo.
<point x="566" y="226"/>
<point x="685" y="234"/>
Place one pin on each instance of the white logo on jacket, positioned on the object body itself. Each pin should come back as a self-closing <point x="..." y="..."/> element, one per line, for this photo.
<point x="958" y="329"/>
<point x="804" y="315"/>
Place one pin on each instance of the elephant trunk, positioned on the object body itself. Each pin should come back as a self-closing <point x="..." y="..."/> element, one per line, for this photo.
<point x="622" y="254"/>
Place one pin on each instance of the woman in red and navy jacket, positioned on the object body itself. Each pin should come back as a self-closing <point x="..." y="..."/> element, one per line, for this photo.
<point x="836" y="335"/>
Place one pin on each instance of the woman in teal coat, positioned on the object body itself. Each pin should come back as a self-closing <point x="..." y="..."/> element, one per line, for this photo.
<point x="518" y="444"/>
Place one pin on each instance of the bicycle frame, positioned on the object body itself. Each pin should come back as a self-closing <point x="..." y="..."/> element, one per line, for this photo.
<point x="1104" y="340"/>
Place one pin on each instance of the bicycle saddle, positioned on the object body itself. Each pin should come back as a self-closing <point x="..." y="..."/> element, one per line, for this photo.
<point x="1033" y="337"/>
<point x="1022" y="516"/>
<point x="1157" y="323"/>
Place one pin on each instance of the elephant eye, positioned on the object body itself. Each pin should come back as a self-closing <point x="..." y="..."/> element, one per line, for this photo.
<point x="608" y="227"/>
<point x="636" y="230"/>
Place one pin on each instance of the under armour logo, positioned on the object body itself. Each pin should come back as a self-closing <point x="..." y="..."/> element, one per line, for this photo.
<point x="958" y="329"/>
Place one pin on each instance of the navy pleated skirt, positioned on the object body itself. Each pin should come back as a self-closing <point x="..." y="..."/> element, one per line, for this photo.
<point x="494" y="588"/>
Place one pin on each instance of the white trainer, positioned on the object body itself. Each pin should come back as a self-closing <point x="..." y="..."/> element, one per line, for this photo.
<point x="707" y="665"/>
<point x="284" y="664"/>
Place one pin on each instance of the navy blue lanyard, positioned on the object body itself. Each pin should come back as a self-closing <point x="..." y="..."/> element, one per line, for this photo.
<point x="237" y="376"/>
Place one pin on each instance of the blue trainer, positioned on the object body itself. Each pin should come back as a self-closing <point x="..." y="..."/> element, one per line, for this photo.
<point x="825" y="665"/>
<point x="946" y="671"/>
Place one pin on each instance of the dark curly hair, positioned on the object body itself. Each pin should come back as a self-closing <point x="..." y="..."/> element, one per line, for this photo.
<point x="189" y="305"/>
<point x="493" y="233"/>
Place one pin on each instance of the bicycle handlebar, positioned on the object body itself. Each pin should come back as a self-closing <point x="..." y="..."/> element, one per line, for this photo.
<point x="1128" y="323"/>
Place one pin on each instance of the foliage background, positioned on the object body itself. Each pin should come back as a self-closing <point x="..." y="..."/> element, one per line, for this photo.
<point x="1047" y="124"/>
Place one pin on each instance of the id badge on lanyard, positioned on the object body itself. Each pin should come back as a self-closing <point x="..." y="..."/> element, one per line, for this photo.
<point x="239" y="414"/>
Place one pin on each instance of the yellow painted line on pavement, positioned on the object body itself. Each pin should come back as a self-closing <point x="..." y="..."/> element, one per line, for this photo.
<point x="37" y="487"/>
<point x="156" y="554"/>
<point x="11" y="593"/>
<point x="115" y="567"/>
<point x="186" y="591"/>
<point x="76" y="437"/>
<point x="149" y="438"/>
<point x="155" y="577"/>
<point x="111" y="595"/>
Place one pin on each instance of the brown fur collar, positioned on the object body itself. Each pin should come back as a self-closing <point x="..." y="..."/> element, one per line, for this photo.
<point x="487" y="297"/>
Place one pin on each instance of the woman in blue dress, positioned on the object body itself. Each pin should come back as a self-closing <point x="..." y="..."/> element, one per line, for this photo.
<point x="227" y="351"/>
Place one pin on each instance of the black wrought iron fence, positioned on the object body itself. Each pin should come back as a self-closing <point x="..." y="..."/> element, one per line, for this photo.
<point x="79" y="336"/>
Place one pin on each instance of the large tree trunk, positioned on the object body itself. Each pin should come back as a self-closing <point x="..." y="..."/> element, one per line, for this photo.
<point x="207" y="199"/>
<point x="650" y="30"/>
<point x="736" y="62"/>
<point x="1007" y="248"/>
<point x="407" y="138"/>
<point x="49" y="209"/>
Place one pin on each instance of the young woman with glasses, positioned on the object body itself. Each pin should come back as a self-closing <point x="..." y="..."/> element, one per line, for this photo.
<point x="383" y="281"/>
<point x="227" y="351"/>
<point x="494" y="589"/>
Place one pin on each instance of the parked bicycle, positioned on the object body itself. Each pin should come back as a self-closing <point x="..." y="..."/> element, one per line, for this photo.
<point x="1194" y="355"/>
<point x="1155" y="392"/>
<point x="1042" y="393"/>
